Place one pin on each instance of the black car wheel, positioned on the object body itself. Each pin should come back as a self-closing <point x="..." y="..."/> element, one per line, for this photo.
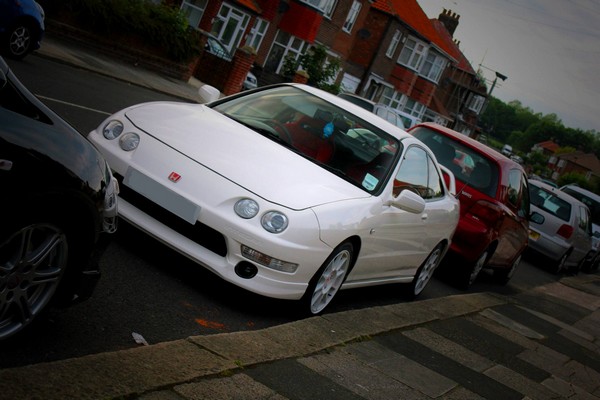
<point x="19" y="41"/>
<point x="33" y="260"/>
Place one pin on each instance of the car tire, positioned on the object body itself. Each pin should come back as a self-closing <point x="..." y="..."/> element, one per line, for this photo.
<point x="560" y="264"/>
<point x="33" y="261"/>
<point x="472" y="271"/>
<point x="329" y="279"/>
<point x="19" y="41"/>
<point x="502" y="276"/>
<point x="425" y="272"/>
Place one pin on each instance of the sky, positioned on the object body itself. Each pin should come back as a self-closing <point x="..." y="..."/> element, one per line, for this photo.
<point x="548" y="49"/>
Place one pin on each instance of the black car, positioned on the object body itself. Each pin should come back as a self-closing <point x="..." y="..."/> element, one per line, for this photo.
<point x="57" y="199"/>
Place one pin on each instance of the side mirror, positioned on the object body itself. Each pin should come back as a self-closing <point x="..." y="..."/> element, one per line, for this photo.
<point x="409" y="201"/>
<point x="208" y="93"/>
<point x="537" y="218"/>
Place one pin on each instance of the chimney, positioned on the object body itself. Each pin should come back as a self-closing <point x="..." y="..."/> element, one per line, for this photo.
<point x="450" y="20"/>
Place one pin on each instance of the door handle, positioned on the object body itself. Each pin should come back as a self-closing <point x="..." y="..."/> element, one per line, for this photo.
<point x="424" y="216"/>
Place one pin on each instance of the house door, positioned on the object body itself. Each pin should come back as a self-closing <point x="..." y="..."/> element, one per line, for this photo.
<point x="229" y="26"/>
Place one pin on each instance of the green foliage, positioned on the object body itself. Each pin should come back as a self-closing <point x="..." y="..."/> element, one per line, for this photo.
<point x="571" y="178"/>
<point x="159" y="25"/>
<point x="320" y="69"/>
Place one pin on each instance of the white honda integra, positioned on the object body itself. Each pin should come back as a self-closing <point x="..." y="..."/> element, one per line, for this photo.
<point x="286" y="191"/>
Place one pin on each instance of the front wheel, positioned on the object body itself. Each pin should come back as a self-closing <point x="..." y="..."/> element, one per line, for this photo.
<point x="502" y="276"/>
<point x="19" y="41"/>
<point x="33" y="260"/>
<point x="472" y="272"/>
<point x="329" y="278"/>
<point x="426" y="271"/>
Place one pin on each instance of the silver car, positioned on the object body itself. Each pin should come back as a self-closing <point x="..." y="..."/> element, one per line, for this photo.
<point x="560" y="226"/>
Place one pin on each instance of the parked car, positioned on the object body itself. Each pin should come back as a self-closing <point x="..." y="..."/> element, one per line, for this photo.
<point x="277" y="191"/>
<point x="494" y="204"/>
<point x="592" y="200"/>
<point x="560" y="227"/>
<point x="250" y="82"/>
<point x="21" y="27"/>
<point x="58" y="196"/>
<point x="400" y="119"/>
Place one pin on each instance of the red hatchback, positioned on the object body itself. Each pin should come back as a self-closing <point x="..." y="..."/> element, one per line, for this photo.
<point x="494" y="204"/>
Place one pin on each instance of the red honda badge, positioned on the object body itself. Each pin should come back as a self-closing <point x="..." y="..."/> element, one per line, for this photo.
<point x="174" y="177"/>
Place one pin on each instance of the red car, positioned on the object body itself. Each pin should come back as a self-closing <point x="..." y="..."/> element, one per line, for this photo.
<point x="493" y="227"/>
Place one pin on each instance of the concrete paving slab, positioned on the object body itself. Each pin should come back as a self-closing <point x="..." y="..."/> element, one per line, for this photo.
<point x="578" y="297"/>
<point x="511" y="324"/>
<point x="237" y="387"/>
<point x="567" y="390"/>
<point x="520" y="383"/>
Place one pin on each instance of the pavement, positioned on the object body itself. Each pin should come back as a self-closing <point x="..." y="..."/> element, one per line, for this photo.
<point x="543" y="343"/>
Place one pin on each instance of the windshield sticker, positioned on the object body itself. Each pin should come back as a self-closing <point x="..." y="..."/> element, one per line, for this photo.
<point x="370" y="182"/>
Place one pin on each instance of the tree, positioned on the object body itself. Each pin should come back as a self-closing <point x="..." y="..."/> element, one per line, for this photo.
<point x="321" y="70"/>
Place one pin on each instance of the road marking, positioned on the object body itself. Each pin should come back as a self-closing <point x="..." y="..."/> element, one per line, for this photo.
<point x="73" y="105"/>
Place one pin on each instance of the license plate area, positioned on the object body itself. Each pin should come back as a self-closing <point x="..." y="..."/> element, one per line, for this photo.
<point x="162" y="195"/>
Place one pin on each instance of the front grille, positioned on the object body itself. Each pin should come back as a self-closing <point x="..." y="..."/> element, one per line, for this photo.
<point x="201" y="234"/>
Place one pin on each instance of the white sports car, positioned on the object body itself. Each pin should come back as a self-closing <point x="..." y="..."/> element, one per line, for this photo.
<point x="286" y="191"/>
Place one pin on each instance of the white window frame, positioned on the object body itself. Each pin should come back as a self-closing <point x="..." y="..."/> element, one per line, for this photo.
<point x="352" y="16"/>
<point x="476" y="103"/>
<point x="433" y="66"/>
<point x="394" y="44"/>
<point x="412" y="54"/>
<point x="189" y="7"/>
<point x="392" y="98"/>
<point x="226" y="14"/>
<point x="414" y="108"/>
<point x="294" y="46"/>
<point x="326" y="6"/>
<point x="257" y="33"/>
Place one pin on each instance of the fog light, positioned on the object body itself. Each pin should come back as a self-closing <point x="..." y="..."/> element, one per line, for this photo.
<point x="268" y="261"/>
<point x="246" y="270"/>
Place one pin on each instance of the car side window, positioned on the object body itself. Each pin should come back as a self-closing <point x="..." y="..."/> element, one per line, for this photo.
<point x="514" y="187"/>
<point x="524" y="208"/>
<point x="584" y="220"/>
<point x="12" y="100"/>
<point x="418" y="173"/>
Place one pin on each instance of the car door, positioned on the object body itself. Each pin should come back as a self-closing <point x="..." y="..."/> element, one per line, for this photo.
<point x="400" y="240"/>
<point x="582" y="240"/>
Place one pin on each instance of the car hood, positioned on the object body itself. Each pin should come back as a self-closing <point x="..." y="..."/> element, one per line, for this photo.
<point x="241" y="155"/>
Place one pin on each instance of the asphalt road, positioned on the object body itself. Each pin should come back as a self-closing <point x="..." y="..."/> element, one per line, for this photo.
<point x="149" y="289"/>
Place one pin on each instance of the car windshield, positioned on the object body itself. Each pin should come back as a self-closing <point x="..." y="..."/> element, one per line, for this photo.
<point x="468" y="165"/>
<point x="320" y="131"/>
<point x="549" y="202"/>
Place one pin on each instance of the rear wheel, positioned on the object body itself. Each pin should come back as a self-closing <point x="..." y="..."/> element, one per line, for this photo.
<point x="502" y="276"/>
<point x="472" y="272"/>
<point x="329" y="279"/>
<point x="560" y="264"/>
<point x="33" y="260"/>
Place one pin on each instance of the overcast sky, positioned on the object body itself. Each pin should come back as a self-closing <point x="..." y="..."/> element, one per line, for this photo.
<point x="548" y="49"/>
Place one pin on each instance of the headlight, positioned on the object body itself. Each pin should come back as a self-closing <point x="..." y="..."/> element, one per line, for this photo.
<point x="246" y="208"/>
<point x="274" y="222"/>
<point x="112" y="129"/>
<point x="129" y="141"/>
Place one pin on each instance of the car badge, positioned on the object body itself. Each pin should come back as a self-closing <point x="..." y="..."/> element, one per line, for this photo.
<point x="174" y="177"/>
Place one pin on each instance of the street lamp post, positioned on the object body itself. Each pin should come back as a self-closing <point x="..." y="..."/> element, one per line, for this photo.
<point x="498" y="75"/>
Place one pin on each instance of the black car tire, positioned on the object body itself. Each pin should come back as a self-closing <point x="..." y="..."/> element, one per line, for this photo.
<point x="502" y="276"/>
<point x="19" y="41"/>
<point x="39" y="258"/>
<point x="425" y="272"/>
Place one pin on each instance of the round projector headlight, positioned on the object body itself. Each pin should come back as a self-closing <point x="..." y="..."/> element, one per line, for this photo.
<point x="129" y="141"/>
<point x="113" y="129"/>
<point x="274" y="222"/>
<point x="246" y="208"/>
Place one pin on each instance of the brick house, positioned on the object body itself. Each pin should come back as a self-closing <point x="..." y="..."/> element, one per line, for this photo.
<point x="586" y="164"/>
<point x="547" y="148"/>
<point x="389" y="50"/>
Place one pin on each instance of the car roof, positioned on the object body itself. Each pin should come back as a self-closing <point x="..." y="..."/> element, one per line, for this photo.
<point x="478" y="146"/>
<point x="581" y="190"/>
